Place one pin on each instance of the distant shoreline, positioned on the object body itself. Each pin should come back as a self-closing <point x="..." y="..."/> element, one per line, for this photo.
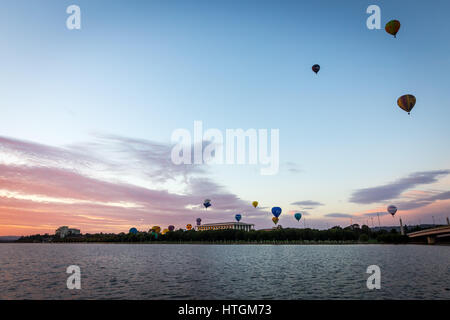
<point x="306" y="243"/>
<point x="229" y="244"/>
<point x="288" y="236"/>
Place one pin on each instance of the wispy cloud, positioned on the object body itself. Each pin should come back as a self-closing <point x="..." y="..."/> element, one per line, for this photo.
<point x="307" y="203"/>
<point x="375" y="214"/>
<point x="423" y="201"/>
<point x="116" y="179"/>
<point x="339" y="215"/>
<point x="396" y="188"/>
<point x="292" y="167"/>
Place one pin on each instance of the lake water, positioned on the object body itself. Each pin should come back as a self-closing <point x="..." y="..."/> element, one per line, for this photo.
<point x="128" y="271"/>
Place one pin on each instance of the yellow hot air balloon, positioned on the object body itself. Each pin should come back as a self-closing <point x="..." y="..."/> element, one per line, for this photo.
<point x="156" y="229"/>
<point x="392" y="27"/>
<point x="406" y="102"/>
<point x="189" y="226"/>
<point x="165" y="231"/>
<point x="255" y="203"/>
<point x="275" y="220"/>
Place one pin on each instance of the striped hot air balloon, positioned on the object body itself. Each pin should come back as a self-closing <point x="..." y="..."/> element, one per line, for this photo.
<point x="407" y="102"/>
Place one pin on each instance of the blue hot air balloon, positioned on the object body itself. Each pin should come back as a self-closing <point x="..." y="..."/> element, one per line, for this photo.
<point x="207" y="203"/>
<point x="238" y="217"/>
<point x="276" y="211"/>
<point x="298" y="216"/>
<point x="133" y="231"/>
<point x="199" y="221"/>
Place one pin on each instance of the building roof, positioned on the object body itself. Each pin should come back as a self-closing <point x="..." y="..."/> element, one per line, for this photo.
<point x="226" y="223"/>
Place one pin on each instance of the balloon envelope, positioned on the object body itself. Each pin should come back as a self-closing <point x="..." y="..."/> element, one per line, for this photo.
<point x="406" y="102"/>
<point x="171" y="228"/>
<point x="207" y="203"/>
<point x="276" y="211"/>
<point x="275" y="220"/>
<point x="255" y="203"/>
<point x="392" y="210"/>
<point x="189" y="226"/>
<point x="298" y="216"/>
<point x="156" y="229"/>
<point x="165" y="231"/>
<point x="315" y="68"/>
<point x="199" y="221"/>
<point x="238" y="217"/>
<point x="133" y="231"/>
<point x="392" y="27"/>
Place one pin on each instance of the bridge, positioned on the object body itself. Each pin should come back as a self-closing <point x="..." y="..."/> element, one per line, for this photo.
<point x="432" y="234"/>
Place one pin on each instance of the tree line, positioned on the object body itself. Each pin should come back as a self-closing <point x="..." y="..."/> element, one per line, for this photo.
<point x="352" y="234"/>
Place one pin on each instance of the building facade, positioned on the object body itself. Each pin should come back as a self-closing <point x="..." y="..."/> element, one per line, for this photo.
<point x="226" y="225"/>
<point x="65" y="231"/>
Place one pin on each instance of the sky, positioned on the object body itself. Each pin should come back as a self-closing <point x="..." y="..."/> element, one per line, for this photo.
<point x="87" y="115"/>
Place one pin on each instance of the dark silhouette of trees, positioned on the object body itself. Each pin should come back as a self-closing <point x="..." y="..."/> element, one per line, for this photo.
<point x="351" y="234"/>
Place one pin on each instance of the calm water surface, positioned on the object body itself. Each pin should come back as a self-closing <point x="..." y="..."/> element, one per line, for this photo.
<point x="116" y="271"/>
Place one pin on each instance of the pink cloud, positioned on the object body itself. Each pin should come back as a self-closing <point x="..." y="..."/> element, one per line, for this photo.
<point x="45" y="194"/>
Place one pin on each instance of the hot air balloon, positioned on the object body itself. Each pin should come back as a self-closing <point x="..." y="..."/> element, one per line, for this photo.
<point x="276" y="211"/>
<point x="406" y="102"/>
<point x="275" y="220"/>
<point x="171" y="228"/>
<point x="238" y="217"/>
<point x="156" y="229"/>
<point x="392" y="27"/>
<point x="165" y="231"/>
<point x="189" y="226"/>
<point x="133" y="231"/>
<point x="154" y="234"/>
<point x="392" y="210"/>
<point x="207" y="203"/>
<point x="255" y="203"/>
<point x="199" y="221"/>
<point x="298" y="216"/>
<point x="315" y="68"/>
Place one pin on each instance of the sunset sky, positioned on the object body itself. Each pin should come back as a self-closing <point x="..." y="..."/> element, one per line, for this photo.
<point x="87" y="115"/>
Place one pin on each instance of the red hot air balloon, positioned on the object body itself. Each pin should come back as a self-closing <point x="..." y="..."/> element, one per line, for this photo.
<point x="392" y="27"/>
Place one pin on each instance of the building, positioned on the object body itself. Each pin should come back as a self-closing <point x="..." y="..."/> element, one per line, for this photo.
<point x="226" y="225"/>
<point x="271" y="229"/>
<point x="65" y="231"/>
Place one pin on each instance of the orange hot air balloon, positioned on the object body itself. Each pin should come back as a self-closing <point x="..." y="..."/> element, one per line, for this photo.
<point x="189" y="226"/>
<point x="406" y="102"/>
<point x="392" y="27"/>
<point x="275" y="220"/>
<point x="255" y="203"/>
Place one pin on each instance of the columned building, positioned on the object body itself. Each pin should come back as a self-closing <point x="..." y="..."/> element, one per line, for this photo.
<point x="65" y="231"/>
<point x="226" y="225"/>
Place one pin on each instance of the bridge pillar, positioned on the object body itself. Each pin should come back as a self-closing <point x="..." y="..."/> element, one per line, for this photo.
<point x="431" y="240"/>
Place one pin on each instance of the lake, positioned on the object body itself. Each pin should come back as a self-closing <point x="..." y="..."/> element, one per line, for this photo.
<point x="173" y="271"/>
